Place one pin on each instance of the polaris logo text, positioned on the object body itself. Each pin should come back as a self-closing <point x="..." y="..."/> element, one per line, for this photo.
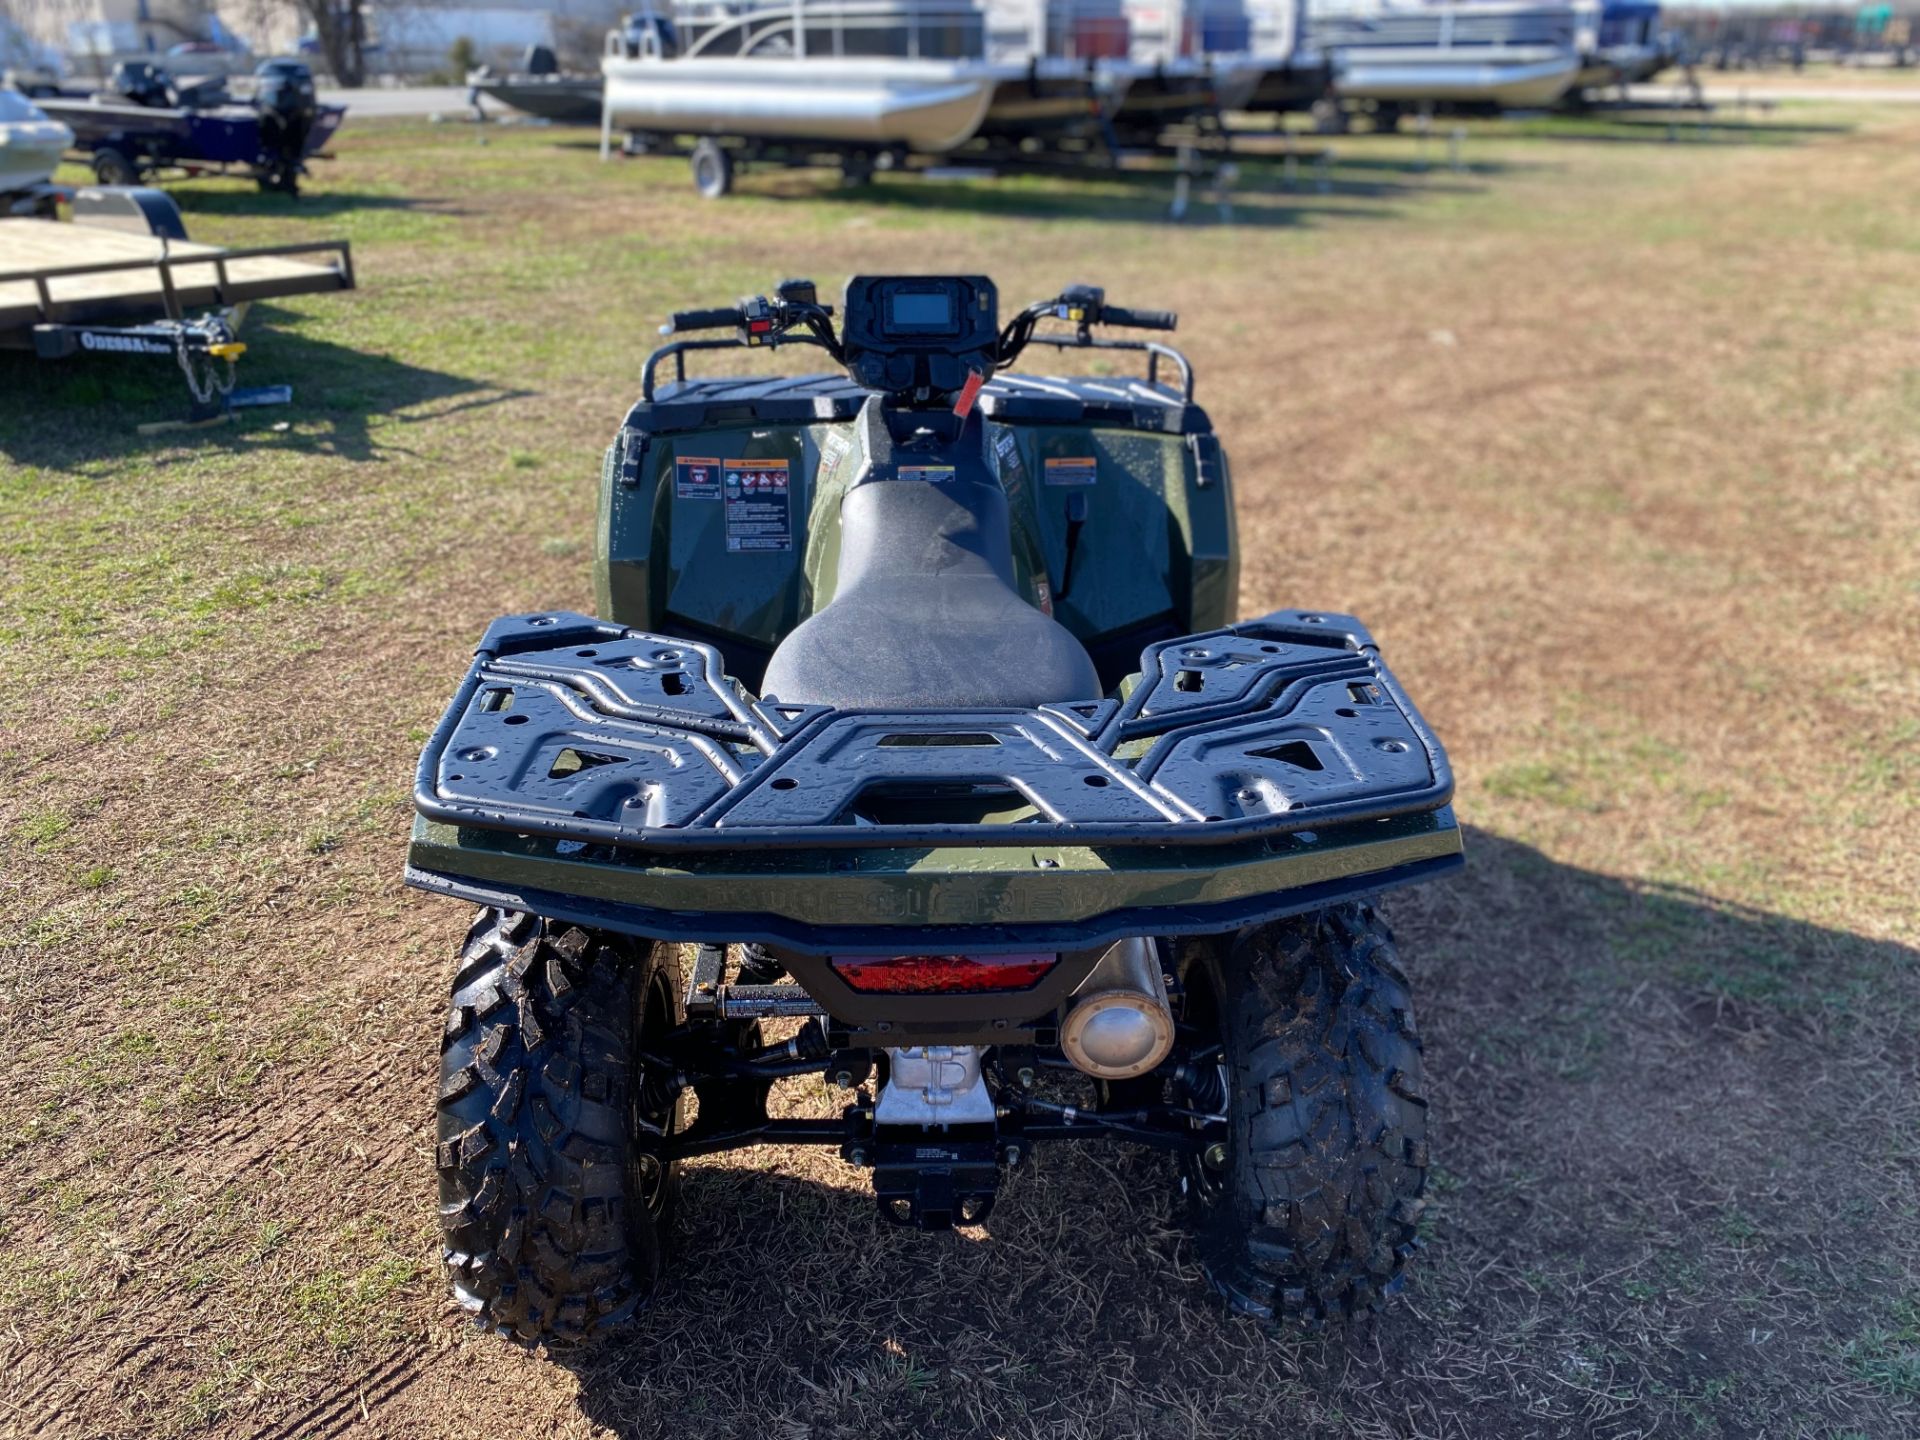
<point x="128" y="344"/>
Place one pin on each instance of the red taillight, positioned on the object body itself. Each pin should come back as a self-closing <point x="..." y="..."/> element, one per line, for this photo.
<point x="941" y="974"/>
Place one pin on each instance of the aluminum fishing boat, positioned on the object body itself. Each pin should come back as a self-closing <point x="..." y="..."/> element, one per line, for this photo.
<point x="542" y="89"/>
<point x="31" y="144"/>
<point x="563" y="99"/>
<point x="1497" y="55"/>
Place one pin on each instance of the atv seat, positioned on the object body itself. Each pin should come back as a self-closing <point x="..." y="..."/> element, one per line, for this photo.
<point x="925" y="614"/>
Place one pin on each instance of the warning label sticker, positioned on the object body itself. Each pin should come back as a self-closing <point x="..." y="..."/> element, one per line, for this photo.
<point x="758" y="517"/>
<point x="932" y="474"/>
<point x="1008" y="449"/>
<point x="695" y="478"/>
<point x="832" y="451"/>
<point x="1072" y="470"/>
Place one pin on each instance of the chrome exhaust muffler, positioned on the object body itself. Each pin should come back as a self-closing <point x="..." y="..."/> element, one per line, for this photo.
<point x="1118" y="1023"/>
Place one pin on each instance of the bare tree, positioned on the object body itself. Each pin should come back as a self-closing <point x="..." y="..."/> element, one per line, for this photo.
<point x="341" y="28"/>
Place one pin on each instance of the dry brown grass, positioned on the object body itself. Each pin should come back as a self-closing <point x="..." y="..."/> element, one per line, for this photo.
<point x="1865" y="80"/>
<point x="1614" y="445"/>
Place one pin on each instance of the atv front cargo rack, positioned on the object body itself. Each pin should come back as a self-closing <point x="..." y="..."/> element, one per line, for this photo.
<point x="589" y="732"/>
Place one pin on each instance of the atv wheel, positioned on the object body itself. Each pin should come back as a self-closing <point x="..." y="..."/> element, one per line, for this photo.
<point x="552" y="1197"/>
<point x="1308" y="1209"/>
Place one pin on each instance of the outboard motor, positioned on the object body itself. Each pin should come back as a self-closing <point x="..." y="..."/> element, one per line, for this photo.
<point x="649" y="36"/>
<point x="288" y="108"/>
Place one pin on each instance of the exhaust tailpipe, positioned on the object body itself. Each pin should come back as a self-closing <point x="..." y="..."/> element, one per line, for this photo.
<point x="1118" y="1023"/>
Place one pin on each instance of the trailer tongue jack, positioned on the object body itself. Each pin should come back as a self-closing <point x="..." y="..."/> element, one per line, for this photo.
<point x="205" y="350"/>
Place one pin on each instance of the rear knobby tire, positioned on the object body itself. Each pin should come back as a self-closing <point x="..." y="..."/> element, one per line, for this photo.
<point x="1315" y="1211"/>
<point x="551" y="1204"/>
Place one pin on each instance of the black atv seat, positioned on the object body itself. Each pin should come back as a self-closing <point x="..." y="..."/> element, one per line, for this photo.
<point x="925" y="614"/>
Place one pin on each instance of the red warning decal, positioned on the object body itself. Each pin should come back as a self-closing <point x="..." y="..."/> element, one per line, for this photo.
<point x="695" y="478"/>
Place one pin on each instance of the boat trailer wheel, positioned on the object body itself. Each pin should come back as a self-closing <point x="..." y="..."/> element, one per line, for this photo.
<point x="712" y="169"/>
<point x="111" y="167"/>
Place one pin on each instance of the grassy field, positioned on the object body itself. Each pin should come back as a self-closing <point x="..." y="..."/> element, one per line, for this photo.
<point x="1614" y="442"/>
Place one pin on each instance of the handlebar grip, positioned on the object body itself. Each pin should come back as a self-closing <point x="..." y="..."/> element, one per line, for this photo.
<point x="725" y="319"/>
<point x="1138" y="319"/>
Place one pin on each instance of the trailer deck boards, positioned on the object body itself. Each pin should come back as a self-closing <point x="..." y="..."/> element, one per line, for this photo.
<point x="38" y="283"/>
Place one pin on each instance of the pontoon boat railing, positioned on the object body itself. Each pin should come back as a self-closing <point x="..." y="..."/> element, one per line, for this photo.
<point x="1446" y="27"/>
<point x="1000" y="31"/>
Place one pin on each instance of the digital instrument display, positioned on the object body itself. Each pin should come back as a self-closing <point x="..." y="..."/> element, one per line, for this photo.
<point x="920" y="310"/>
<point x="918" y="334"/>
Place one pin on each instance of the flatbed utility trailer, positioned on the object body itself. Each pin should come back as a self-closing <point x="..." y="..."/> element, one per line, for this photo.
<point x="123" y="279"/>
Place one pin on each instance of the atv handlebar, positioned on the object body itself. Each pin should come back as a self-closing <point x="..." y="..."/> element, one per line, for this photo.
<point x="794" y="313"/>
<point x="1139" y="319"/>
<point x="728" y="318"/>
<point x="1083" y="307"/>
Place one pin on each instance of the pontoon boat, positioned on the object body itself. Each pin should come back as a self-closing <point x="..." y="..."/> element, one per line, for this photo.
<point x="1506" y="54"/>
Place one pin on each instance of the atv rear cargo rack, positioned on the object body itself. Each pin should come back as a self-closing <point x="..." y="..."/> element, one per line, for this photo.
<point x="614" y="778"/>
<point x="589" y="732"/>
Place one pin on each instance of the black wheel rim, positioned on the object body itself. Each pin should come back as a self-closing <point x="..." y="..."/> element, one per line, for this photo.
<point x="1203" y="1020"/>
<point x="652" y="1119"/>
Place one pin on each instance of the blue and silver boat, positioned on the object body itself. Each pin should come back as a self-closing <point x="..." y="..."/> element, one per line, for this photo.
<point x="145" y="122"/>
<point x="1628" y="45"/>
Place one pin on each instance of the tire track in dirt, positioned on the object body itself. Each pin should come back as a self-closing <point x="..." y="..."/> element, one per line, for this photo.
<point x="270" y="1142"/>
<point x="280" y="1124"/>
<point x="356" y="1399"/>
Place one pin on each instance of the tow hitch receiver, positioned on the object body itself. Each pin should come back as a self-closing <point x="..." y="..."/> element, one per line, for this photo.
<point x="933" y="1182"/>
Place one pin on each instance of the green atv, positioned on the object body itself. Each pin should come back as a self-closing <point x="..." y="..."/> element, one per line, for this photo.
<point x="920" y="753"/>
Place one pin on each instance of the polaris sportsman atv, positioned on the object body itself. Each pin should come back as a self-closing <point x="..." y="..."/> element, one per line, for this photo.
<point x="919" y="733"/>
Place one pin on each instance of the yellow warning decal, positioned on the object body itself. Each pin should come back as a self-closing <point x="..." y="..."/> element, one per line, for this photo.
<point x="1072" y="470"/>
